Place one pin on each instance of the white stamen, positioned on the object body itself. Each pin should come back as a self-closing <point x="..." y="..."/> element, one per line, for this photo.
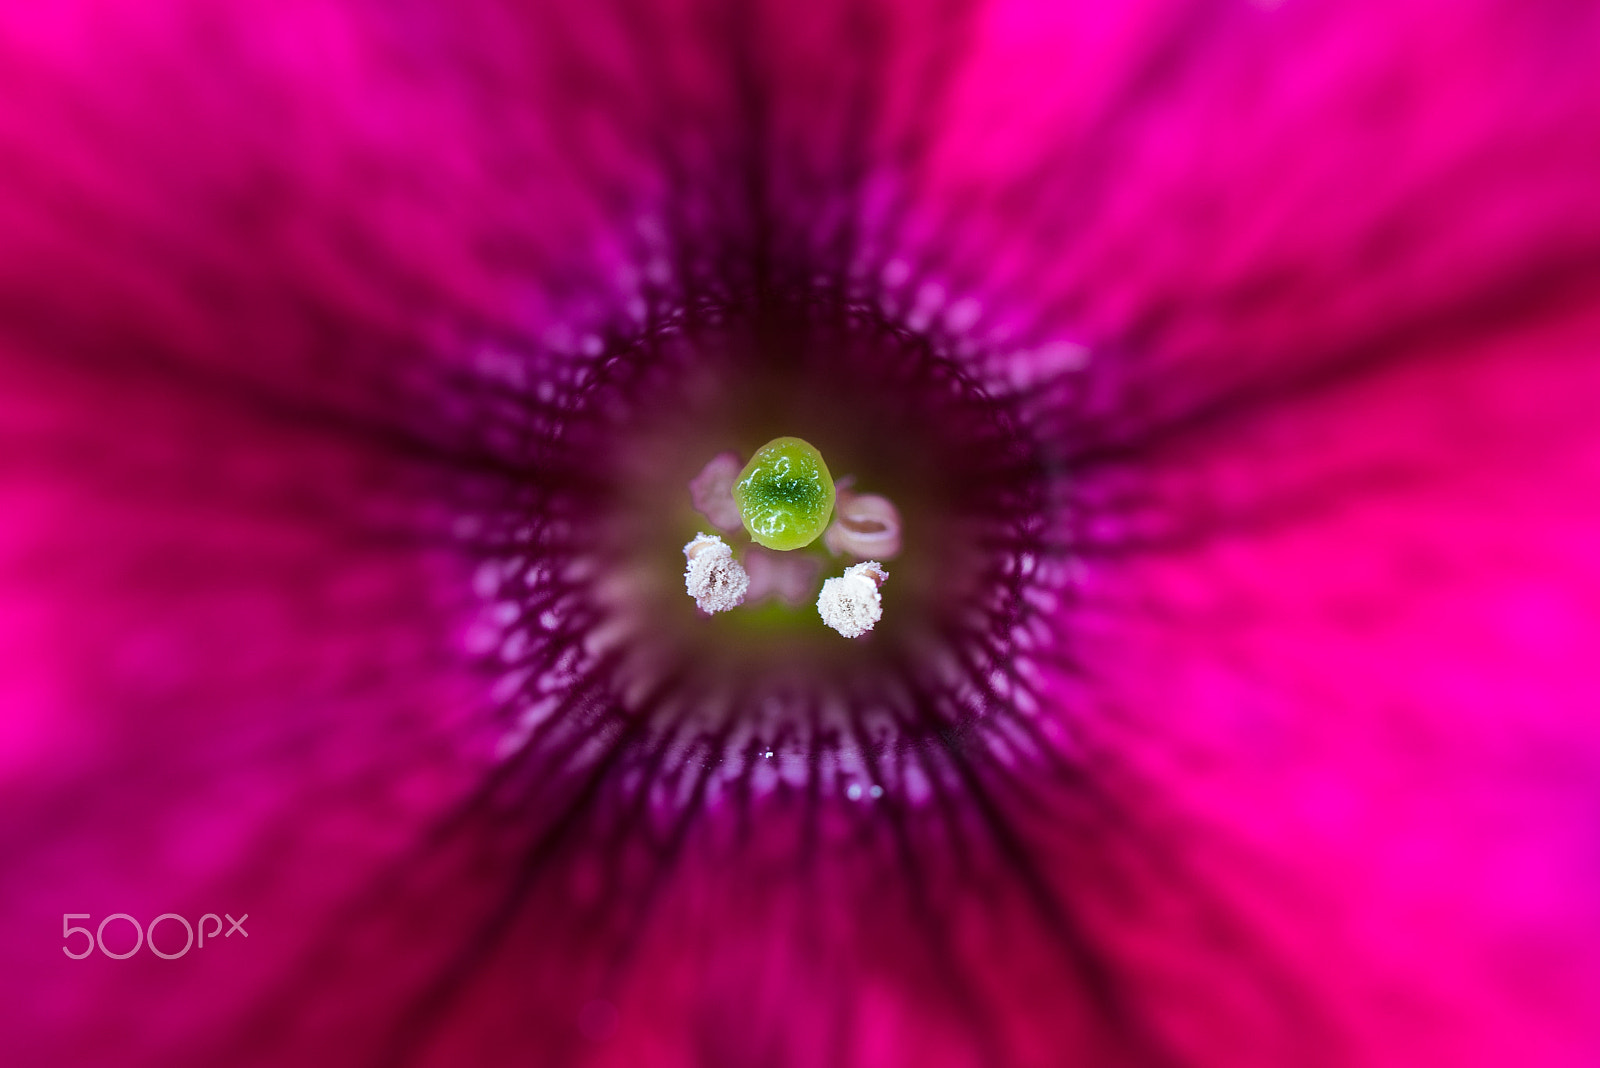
<point x="711" y="491"/>
<point x="864" y="525"/>
<point x="850" y="603"/>
<point x="713" y="578"/>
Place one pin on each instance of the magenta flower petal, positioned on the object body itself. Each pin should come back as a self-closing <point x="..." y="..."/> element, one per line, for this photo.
<point x="1231" y="365"/>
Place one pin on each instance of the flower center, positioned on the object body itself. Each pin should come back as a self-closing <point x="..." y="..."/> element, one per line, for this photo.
<point x="624" y="488"/>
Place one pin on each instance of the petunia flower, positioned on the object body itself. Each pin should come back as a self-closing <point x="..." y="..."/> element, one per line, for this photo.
<point x="1231" y="368"/>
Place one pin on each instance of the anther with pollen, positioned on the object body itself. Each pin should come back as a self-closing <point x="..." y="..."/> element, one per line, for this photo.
<point x="850" y="603"/>
<point x="715" y="580"/>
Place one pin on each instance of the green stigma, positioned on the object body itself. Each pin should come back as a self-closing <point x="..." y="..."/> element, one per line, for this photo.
<point x="785" y="494"/>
